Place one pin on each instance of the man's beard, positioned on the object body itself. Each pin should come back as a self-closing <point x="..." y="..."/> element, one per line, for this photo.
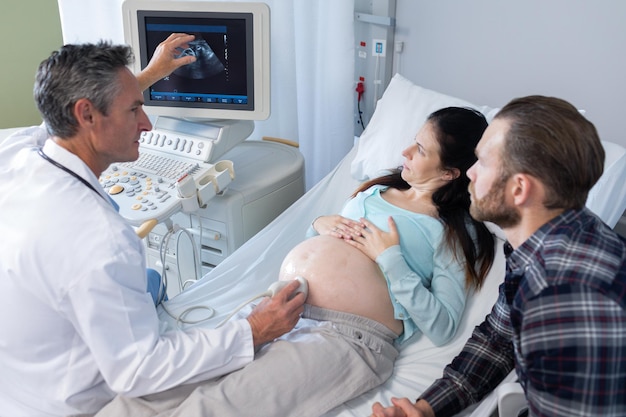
<point x="493" y="207"/>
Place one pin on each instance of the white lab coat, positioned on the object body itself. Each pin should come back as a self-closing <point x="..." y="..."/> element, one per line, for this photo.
<point x="76" y="323"/>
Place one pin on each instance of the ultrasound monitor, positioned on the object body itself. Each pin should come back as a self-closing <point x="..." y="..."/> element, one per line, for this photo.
<point x="230" y="79"/>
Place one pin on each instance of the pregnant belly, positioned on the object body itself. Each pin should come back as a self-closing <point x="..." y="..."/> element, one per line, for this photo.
<point x="341" y="278"/>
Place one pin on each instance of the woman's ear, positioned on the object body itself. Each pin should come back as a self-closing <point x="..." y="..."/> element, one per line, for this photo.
<point x="450" y="174"/>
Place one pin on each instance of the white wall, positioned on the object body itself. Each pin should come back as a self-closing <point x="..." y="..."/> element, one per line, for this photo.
<point x="490" y="51"/>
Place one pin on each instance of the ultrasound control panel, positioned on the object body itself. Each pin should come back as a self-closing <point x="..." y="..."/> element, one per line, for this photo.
<point x="147" y="189"/>
<point x="172" y="172"/>
<point x="177" y="144"/>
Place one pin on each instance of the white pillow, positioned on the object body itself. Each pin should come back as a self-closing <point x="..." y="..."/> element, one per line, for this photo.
<point x="399" y="114"/>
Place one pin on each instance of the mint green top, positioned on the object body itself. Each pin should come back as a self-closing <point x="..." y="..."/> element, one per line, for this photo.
<point x="425" y="281"/>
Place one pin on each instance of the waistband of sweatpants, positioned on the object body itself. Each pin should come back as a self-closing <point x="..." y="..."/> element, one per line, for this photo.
<point x="352" y="323"/>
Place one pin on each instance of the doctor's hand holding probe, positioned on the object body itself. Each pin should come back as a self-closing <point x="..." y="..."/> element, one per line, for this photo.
<point x="78" y="325"/>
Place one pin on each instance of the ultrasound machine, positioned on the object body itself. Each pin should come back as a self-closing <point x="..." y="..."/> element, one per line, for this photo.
<point x="199" y="190"/>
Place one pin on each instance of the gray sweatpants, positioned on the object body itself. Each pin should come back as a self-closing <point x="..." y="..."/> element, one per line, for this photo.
<point x="327" y="359"/>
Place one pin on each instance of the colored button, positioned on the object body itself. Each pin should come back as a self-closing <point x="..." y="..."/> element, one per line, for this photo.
<point x="116" y="189"/>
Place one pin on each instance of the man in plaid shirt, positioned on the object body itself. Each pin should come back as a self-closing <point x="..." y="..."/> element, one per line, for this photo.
<point x="560" y="318"/>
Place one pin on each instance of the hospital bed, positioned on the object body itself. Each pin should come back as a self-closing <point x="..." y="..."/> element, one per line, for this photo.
<point x="255" y="265"/>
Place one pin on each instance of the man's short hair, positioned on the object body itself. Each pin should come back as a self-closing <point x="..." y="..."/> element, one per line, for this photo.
<point x="552" y="141"/>
<point x="74" y="72"/>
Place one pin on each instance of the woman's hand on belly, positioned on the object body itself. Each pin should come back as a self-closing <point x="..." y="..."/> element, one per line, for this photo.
<point x="373" y="241"/>
<point x="341" y="278"/>
<point x="338" y="226"/>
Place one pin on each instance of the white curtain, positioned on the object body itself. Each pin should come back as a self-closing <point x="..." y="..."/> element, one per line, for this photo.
<point x="312" y="65"/>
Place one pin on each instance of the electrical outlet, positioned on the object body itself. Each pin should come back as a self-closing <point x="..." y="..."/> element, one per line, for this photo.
<point x="379" y="47"/>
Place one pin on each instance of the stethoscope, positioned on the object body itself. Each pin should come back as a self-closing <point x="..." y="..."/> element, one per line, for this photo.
<point x="69" y="171"/>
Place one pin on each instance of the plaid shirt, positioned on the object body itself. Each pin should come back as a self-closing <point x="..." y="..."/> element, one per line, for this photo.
<point x="560" y="320"/>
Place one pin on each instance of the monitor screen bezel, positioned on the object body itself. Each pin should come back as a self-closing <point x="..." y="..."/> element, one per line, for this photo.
<point x="258" y="59"/>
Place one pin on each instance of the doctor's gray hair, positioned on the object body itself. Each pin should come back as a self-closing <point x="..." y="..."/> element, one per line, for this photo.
<point x="74" y="72"/>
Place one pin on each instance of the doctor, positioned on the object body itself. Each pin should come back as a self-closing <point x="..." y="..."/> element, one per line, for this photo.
<point x="77" y="325"/>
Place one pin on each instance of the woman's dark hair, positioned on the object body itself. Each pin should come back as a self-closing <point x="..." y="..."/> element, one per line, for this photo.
<point x="458" y="131"/>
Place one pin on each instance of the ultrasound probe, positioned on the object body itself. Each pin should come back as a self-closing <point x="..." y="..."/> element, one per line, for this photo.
<point x="270" y="292"/>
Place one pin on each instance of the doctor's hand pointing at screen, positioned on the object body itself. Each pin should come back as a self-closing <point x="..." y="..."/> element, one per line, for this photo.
<point x="165" y="60"/>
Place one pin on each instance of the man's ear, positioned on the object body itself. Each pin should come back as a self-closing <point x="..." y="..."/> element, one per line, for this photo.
<point x="84" y="112"/>
<point x="451" y="174"/>
<point x="521" y="188"/>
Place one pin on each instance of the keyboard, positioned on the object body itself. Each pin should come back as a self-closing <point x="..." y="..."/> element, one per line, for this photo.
<point x="160" y="165"/>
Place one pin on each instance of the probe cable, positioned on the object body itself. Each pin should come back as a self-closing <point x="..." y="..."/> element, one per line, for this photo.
<point x="180" y="318"/>
<point x="267" y="293"/>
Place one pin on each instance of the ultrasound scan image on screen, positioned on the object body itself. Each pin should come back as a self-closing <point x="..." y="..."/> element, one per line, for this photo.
<point x="207" y="63"/>
<point x="220" y="75"/>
